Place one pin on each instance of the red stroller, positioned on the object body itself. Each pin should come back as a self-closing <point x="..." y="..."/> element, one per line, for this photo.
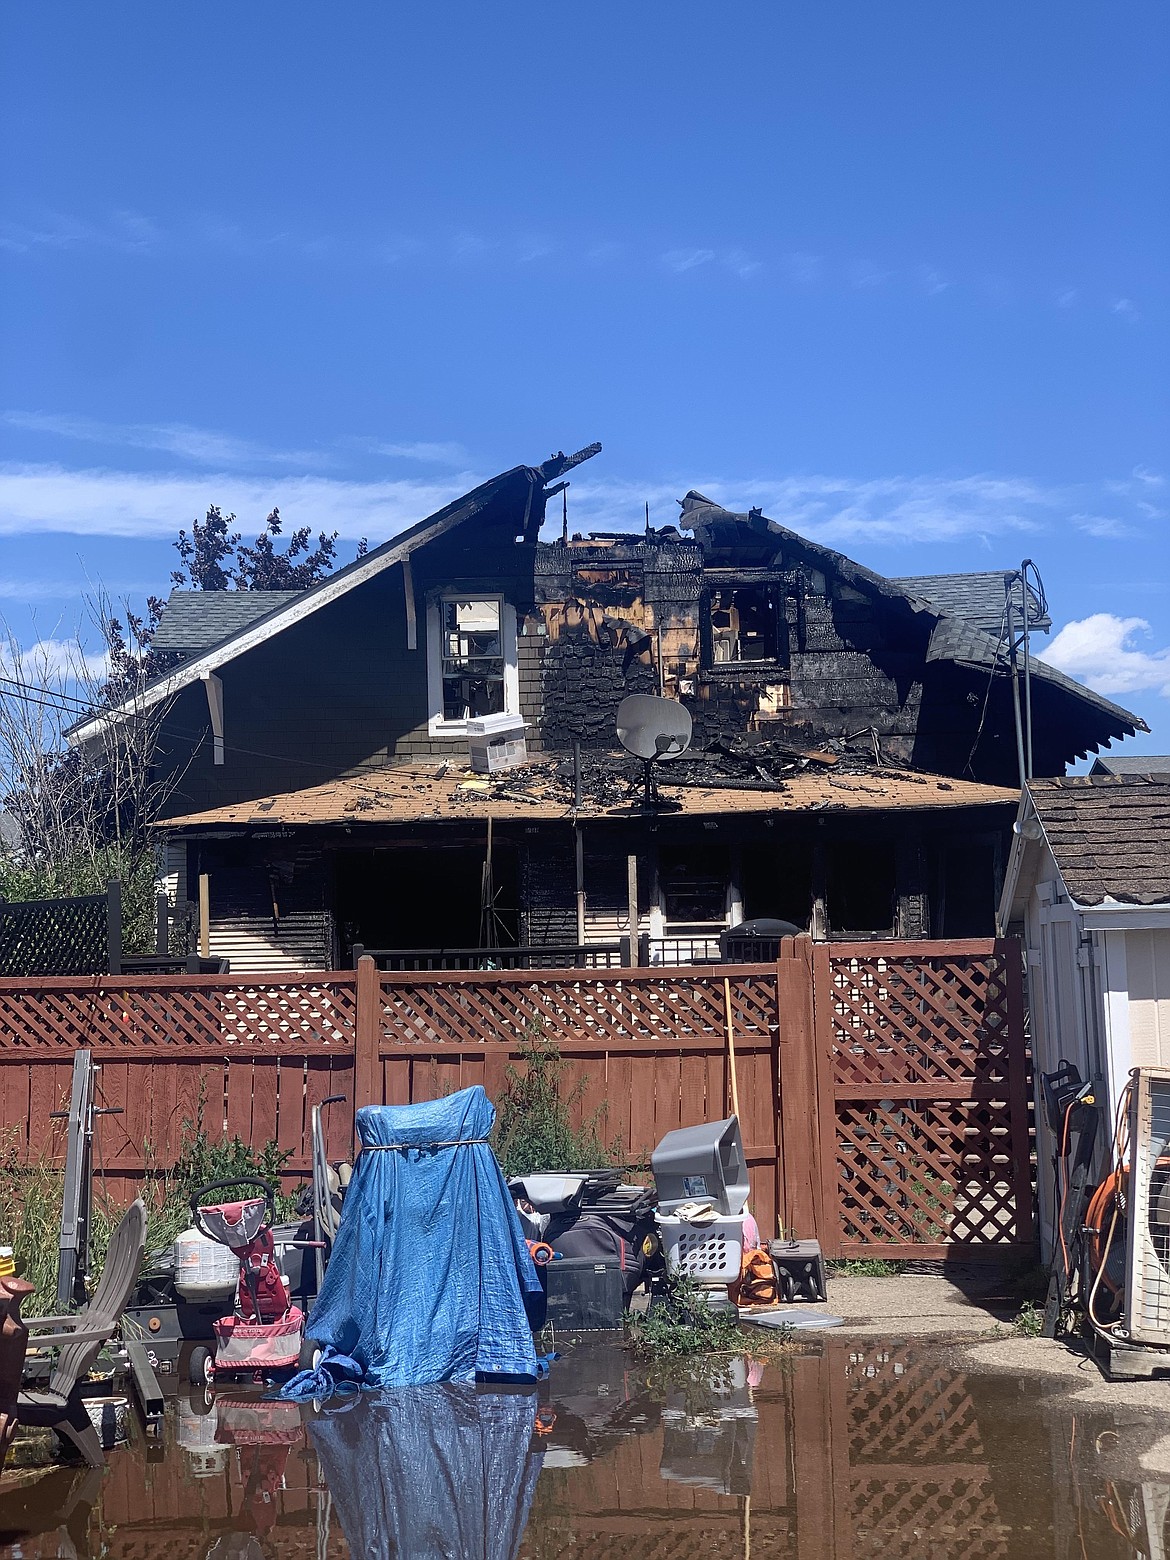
<point x="265" y="1334"/>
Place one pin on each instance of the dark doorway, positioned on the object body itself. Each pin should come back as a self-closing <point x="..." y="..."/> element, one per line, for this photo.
<point x="415" y="896"/>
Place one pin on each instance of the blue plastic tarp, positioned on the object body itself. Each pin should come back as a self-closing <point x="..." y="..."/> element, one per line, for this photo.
<point x="430" y="1267"/>
<point x="419" y="1473"/>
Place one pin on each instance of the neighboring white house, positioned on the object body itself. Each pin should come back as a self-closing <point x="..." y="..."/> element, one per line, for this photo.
<point x="1087" y="888"/>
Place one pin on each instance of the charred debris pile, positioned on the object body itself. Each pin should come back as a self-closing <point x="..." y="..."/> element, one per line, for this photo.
<point x="750" y="763"/>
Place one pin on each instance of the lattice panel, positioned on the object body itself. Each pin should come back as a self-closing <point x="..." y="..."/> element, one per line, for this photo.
<point x="55" y="937"/>
<point x="611" y="1008"/>
<point x="926" y="1171"/>
<point x="288" y="1017"/>
<point x="927" y="1511"/>
<point x="919" y="1483"/>
<point x="919" y="1019"/>
<point x="907" y="1409"/>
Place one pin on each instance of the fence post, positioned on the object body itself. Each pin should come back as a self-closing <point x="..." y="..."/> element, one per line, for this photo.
<point x="800" y="1116"/>
<point x="367" y="1062"/>
<point x="114" y="926"/>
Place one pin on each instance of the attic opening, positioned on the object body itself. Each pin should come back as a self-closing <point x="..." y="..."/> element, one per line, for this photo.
<point x="743" y="625"/>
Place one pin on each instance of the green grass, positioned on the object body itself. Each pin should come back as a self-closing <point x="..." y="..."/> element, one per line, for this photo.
<point x="863" y="1267"/>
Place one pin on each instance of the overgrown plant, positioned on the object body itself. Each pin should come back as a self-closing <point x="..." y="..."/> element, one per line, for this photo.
<point x="31" y="1197"/>
<point x="680" y="1322"/>
<point x="534" y="1123"/>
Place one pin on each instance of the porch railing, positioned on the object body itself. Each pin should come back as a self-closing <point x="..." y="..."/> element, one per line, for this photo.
<point x="531" y="956"/>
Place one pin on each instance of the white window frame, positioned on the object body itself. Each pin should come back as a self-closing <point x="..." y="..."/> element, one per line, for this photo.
<point x="436" y="724"/>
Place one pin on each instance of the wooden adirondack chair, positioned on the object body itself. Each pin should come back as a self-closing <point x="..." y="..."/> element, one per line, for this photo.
<point x="79" y="1339"/>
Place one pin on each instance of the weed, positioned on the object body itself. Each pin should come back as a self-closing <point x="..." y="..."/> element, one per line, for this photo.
<point x="534" y="1128"/>
<point x="1029" y="1322"/>
<point x="863" y="1267"/>
<point x="31" y="1196"/>
<point x="680" y="1323"/>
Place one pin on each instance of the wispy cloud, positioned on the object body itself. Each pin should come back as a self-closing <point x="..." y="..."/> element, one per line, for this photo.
<point x="864" y="273"/>
<point x="933" y="281"/>
<point x="215" y="234"/>
<point x="893" y="512"/>
<point x="126" y="231"/>
<point x="1104" y="651"/>
<point x="53" y="498"/>
<point x="440" y="454"/>
<point x="680" y="260"/>
<point x="1104" y="527"/>
<point x="201" y="446"/>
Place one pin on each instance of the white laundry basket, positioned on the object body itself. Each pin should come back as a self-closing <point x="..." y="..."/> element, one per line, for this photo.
<point x="709" y="1253"/>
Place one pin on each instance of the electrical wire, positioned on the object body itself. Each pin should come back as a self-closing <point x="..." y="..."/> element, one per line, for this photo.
<point x="1120" y="1143"/>
<point x="999" y="639"/>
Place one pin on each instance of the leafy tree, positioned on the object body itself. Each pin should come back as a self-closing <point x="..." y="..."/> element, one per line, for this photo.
<point x="215" y="557"/>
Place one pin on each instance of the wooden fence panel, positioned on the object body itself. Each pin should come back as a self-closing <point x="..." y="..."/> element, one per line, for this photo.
<point x="649" y="1047"/>
<point x="922" y="1104"/>
<point x="882" y="1086"/>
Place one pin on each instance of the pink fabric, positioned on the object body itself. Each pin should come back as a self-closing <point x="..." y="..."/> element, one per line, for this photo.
<point x="751" y="1233"/>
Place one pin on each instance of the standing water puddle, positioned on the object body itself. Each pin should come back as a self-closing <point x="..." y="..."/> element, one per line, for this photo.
<point x="847" y="1449"/>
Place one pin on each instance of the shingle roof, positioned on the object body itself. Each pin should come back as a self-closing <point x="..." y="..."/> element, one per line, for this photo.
<point x="976" y="598"/>
<point x="194" y="620"/>
<point x="1110" y="835"/>
<point x="1132" y="764"/>
<point x="414" y="794"/>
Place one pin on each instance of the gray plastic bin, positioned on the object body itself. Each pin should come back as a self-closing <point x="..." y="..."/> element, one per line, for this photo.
<point x="702" y="1164"/>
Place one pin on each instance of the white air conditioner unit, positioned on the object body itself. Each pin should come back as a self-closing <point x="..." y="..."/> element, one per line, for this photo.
<point x="1147" y="1251"/>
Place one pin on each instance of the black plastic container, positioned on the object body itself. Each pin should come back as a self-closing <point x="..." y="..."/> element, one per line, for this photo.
<point x="584" y="1295"/>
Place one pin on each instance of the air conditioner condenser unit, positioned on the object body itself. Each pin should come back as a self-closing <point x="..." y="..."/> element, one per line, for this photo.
<point x="1147" y="1255"/>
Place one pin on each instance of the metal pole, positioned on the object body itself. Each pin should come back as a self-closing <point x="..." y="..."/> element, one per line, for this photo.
<point x="632" y="902"/>
<point x="114" y="926"/>
<point x="1011" y="639"/>
<point x="579" y="854"/>
<point x="1027" y="664"/>
<point x="73" y="1248"/>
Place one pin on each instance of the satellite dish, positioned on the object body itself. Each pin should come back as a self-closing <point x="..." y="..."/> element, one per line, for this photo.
<point x="653" y="730"/>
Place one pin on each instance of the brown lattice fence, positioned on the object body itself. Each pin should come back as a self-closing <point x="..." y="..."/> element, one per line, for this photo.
<point x="881" y="1085"/>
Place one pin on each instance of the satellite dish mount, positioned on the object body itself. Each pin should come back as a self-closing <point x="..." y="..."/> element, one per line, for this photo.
<point x="654" y="731"/>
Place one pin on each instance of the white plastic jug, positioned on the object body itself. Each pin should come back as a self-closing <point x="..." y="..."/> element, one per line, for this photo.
<point x="204" y="1270"/>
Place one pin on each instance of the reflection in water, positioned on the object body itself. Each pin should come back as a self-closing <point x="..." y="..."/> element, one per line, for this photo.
<point x="435" y="1471"/>
<point x="847" y="1449"/>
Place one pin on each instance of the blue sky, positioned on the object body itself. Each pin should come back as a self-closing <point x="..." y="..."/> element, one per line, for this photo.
<point x="895" y="272"/>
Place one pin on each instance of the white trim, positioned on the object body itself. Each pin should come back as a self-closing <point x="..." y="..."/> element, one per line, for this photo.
<point x="1118" y="1044"/>
<point x="1125" y="918"/>
<point x="408" y="593"/>
<point x="436" y="725"/>
<point x="214" y="689"/>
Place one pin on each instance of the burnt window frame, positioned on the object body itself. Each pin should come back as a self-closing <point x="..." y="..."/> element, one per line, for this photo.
<point x="773" y="591"/>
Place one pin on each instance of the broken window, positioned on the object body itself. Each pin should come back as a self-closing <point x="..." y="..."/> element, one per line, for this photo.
<point x="472" y="652"/>
<point x="693" y="883"/>
<point x="743" y="625"/>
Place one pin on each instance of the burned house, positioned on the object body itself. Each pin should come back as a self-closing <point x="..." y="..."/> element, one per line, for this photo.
<point x="854" y="765"/>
